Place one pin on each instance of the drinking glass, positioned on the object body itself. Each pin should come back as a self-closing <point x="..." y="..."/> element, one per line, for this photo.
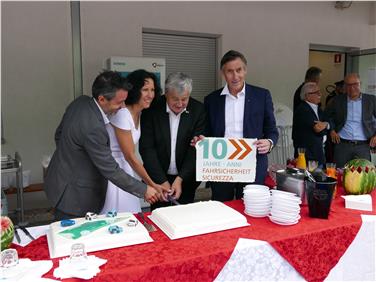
<point x="373" y="155"/>
<point x="312" y="165"/>
<point x="301" y="162"/>
<point x="9" y="258"/>
<point x="331" y="170"/>
<point x="78" y="257"/>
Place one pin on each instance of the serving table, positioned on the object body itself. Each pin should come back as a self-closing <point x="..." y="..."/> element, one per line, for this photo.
<point x="312" y="247"/>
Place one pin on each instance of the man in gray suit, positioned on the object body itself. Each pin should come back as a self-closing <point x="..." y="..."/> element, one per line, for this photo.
<point x="354" y="122"/>
<point x="76" y="179"/>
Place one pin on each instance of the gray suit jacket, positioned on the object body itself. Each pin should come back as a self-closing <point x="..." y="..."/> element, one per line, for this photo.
<point x="76" y="180"/>
<point x="337" y="113"/>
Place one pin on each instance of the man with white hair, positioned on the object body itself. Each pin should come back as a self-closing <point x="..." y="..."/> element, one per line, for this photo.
<point x="310" y="124"/>
<point x="166" y="131"/>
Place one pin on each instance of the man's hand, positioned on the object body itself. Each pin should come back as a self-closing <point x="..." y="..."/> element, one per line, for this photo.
<point x="334" y="137"/>
<point x="177" y="187"/>
<point x="151" y="195"/>
<point x="320" y="126"/>
<point x="372" y="142"/>
<point x="196" y="139"/>
<point x="163" y="190"/>
<point x="263" y="146"/>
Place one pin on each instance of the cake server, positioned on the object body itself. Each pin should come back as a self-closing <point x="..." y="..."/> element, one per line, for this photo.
<point x="149" y="227"/>
<point x="17" y="235"/>
<point x="27" y="232"/>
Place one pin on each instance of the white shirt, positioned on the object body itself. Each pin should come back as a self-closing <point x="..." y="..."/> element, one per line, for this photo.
<point x="105" y="118"/>
<point x="315" y="108"/>
<point x="174" y="126"/>
<point x="234" y="112"/>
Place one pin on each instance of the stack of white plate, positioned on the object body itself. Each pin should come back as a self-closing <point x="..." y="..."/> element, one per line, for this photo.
<point x="257" y="200"/>
<point x="285" y="208"/>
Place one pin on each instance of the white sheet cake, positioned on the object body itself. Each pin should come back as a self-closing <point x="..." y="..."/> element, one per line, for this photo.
<point x="197" y="218"/>
<point x="59" y="244"/>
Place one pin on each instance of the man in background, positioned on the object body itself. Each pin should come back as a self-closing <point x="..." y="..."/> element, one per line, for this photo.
<point x="76" y="179"/>
<point x="354" y="119"/>
<point x="340" y="89"/>
<point x="310" y="125"/>
<point x="313" y="74"/>
<point x="240" y="110"/>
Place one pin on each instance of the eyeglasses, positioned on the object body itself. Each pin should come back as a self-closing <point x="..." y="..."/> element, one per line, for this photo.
<point x="355" y="84"/>
<point x="316" y="92"/>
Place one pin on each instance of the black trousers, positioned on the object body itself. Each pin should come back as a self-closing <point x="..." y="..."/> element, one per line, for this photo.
<point x="187" y="196"/>
<point x="225" y="191"/>
<point x="344" y="152"/>
<point x="60" y="215"/>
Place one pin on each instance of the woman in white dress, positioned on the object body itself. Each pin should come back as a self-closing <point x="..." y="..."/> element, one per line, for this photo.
<point x="124" y="132"/>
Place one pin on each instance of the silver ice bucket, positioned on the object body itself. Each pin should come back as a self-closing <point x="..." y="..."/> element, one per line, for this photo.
<point x="292" y="180"/>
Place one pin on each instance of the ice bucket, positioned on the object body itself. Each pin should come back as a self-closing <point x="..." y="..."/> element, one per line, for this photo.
<point x="319" y="197"/>
<point x="292" y="180"/>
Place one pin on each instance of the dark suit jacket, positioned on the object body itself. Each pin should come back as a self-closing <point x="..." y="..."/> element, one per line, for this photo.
<point x="303" y="134"/>
<point x="297" y="99"/>
<point x="76" y="180"/>
<point x="155" y="141"/>
<point x="337" y="113"/>
<point x="258" y="122"/>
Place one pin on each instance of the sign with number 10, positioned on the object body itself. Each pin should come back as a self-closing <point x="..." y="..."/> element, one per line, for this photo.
<point x="226" y="160"/>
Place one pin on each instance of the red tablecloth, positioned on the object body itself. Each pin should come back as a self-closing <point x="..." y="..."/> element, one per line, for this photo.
<point x="312" y="247"/>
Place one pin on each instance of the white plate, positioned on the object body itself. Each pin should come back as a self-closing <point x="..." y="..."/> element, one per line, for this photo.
<point x="258" y="203"/>
<point x="296" y="201"/>
<point x="266" y="211"/>
<point x="283" y="193"/>
<point x="282" y="223"/>
<point x="282" y="218"/>
<point x="257" y="214"/>
<point x="256" y="187"/>
<point x="287" y="212"/>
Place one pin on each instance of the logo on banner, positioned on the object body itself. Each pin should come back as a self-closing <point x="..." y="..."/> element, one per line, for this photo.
<point x="226" y="160"/>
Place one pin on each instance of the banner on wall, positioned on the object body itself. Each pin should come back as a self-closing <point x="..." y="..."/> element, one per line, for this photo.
<point x="126" y="65"/>
<point x="226" y="160"/>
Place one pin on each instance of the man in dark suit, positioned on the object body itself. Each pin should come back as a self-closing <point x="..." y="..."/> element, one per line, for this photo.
<point x="310" y="125"/>
<point x="354" y="122"/>
<point x="313" y="74"/>
<point x="76" y="179"/>
<point x="166" y="131"/>
<point x="240" y="110"/>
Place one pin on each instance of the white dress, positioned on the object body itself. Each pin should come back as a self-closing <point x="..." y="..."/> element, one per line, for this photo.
<point x="116" y="198"/>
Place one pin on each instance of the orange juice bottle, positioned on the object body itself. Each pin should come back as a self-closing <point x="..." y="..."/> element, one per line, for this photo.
<point x="301" y="162"/>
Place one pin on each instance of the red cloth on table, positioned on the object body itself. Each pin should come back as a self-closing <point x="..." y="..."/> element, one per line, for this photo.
<point x="312" y="247"/>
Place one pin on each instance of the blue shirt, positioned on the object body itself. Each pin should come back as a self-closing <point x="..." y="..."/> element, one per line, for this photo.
<point x="353" y="128"/>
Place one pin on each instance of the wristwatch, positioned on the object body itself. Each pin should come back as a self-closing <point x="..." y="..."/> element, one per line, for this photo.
<point x="271" y="145"/>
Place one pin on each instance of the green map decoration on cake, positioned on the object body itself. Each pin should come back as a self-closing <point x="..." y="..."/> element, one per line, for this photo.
<point x="88" y="227"/>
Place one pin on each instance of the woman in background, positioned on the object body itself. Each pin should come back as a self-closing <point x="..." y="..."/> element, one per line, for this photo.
<point x="124" y="131"/>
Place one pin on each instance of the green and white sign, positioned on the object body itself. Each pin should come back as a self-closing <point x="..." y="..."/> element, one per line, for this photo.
<point x="226" y="160"/>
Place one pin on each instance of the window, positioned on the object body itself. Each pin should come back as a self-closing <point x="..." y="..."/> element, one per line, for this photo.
<point x="195" y="55"/>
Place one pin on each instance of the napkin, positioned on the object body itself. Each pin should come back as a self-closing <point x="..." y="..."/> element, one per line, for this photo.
<point x="68" y="270"/>
<point x="26" y="270"/>
<point x="358" y="202"/>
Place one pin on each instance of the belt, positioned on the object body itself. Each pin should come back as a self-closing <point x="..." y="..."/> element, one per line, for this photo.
<point x="354" y="142"/>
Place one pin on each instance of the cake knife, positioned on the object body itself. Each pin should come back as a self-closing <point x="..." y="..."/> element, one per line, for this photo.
<point x="173" y="200"/>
